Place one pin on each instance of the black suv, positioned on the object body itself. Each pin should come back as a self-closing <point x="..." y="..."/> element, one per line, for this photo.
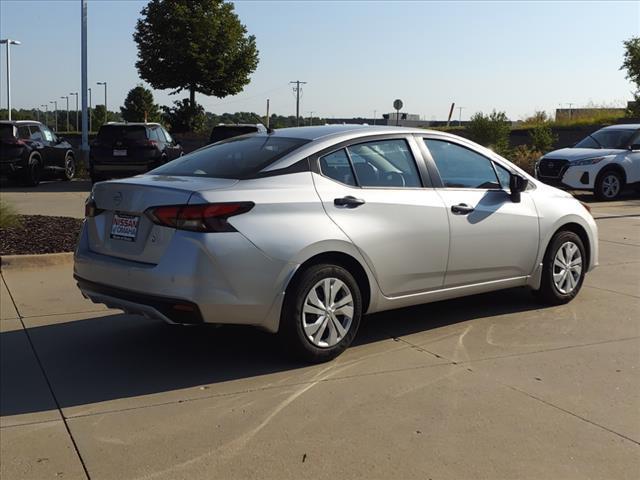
<point x="222" y="131"/>
<point x="126" y="149"/>
<point x="29" y="149"/>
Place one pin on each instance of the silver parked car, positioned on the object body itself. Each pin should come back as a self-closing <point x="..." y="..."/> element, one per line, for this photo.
<point x="302" y="231"/>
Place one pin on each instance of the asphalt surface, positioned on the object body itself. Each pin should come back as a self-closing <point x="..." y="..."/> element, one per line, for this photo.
<point x="490" y="386"/>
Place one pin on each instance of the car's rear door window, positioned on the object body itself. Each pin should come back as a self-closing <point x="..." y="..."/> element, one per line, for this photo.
<point x="23" y="132"/>
<point x="384" y="163"/>
<point x="336" y="165"/>
<point x="241" y="157"/>
<point x="460" y="167"/>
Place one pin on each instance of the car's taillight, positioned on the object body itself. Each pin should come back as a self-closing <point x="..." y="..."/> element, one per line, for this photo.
<point x="208" y="217"/>
<point x="91" y="209"/>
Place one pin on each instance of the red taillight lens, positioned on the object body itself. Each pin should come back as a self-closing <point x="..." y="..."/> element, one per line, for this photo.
<point x="208" y="217"/>
<point x="91" y="209"/>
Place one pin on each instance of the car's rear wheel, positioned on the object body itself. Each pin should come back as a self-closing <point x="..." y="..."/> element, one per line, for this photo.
<point x="321" y="313"/>
<point x="69" y="167"/>
<point x="609" y="185"/>
<point x="33" y="172"/>
<point x="563" y="269"/>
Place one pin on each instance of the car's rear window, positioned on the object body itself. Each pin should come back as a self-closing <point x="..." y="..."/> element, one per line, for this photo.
<point x="222" y="133"/>
<point x="110" y="133"/>
<point x="241" y="157"/>
<point x="6" y="131"/>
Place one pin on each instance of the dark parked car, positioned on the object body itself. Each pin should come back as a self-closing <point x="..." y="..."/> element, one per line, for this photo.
<point x="127" y="149"/>
<point x="28" y="150"/>
<point x="222" y="132"/>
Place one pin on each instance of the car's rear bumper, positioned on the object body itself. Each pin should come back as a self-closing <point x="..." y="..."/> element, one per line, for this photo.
<point x="11" y="165"/>
<point x="225" y="277"/>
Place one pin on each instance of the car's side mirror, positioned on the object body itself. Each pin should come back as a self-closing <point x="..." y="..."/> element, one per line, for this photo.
<point x="59" y="139"/>
<point x="517" y="185"/>
<point x="634" y="147"/>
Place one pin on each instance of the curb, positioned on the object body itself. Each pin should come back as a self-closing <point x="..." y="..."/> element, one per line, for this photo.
<point x="15" y="262"/>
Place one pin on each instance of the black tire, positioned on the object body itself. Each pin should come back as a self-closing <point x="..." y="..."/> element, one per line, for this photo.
<point x="549" y="293"/>
<point x="605" y="187"/>
<point x="69" y="167"/>
<point x="33" y="171"/>
<point x="292" y="331"/>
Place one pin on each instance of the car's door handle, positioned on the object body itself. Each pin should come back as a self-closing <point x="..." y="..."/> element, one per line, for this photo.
<point x="462" y="209"/>
<point x="348" y="201"/>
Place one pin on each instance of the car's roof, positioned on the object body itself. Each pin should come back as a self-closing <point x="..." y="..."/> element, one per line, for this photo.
<point x="131" y="124"/>
<point x="20" y="122"/>
<point x="623" y="126"/>
<point x="323" y="131"/>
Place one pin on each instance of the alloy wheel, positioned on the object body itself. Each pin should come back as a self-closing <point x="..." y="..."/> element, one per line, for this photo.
<point x="327" y="312"/>
<point x="610" y="186"/>
<point x="69" y="167"/>
<point x="567" y="268"/>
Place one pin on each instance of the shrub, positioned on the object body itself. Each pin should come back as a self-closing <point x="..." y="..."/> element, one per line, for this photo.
<point x="491" y="130"/>
<point x="525" y="157"/>
<point x="8" y="216"/>
<point x="542" y="137"/>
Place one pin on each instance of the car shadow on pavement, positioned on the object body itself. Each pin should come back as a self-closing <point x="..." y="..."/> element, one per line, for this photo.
<point x="122" y="356"/>
<point x="46" y="186"/>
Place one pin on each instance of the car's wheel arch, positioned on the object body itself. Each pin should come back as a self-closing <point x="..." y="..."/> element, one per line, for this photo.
<point x="611" y="167"/>
<point x="349" y="262"/>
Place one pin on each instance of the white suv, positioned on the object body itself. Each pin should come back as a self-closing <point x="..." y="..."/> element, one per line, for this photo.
<point x="604" y="162"/>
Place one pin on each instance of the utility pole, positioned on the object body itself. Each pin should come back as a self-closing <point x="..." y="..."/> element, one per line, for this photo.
<point x="55" y="114"/>
<point x="297" y="90"/>
<point x="460" y="115"/>
<point x="76" y="124"/>
<point x="89" y="111"/>
<point x="67" y="98"/>
<point x="374" y="117"/>
<point x="311" y="118"/>
<point x="83" y="82"/>
<point x="106" y="112"/>
<point x="46" y="114"/>
<point x="267" y="119"/>
<point x="9" y="42"/>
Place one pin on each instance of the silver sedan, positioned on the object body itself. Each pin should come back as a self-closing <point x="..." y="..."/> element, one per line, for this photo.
<point x="302" y="231"/>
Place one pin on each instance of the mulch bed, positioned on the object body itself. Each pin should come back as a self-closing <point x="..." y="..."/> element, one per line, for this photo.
<point x="40" y="234"/>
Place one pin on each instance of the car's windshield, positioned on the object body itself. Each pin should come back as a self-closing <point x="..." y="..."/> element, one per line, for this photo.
<point x="110" y="133"/>
<point x="610" y="138"/>
<point x="240" y="157"/>
<point x="6" y="131"/>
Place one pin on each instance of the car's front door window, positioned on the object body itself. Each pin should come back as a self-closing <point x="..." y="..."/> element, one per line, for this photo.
<point x="461" y="167"/>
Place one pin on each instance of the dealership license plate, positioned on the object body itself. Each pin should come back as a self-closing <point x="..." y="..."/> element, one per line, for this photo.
<point x="124" y="227"/>
<point x="120" y="153"/>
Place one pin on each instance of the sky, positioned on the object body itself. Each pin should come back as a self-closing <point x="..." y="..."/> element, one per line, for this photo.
<point x="357" y="56"/>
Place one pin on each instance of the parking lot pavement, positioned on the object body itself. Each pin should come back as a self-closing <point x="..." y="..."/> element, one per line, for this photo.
<point x="490" y="386"/>
<point x="55" y="198"/>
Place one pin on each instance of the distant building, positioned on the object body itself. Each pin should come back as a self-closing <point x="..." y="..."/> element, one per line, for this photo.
<point x="578" y="113"/>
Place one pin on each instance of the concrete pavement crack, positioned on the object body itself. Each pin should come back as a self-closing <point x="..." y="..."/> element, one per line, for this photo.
<point x="511" y="387"/>
<point x="46" y="378"/>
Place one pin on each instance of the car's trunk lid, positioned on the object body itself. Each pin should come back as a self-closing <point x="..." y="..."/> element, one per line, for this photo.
<point x="123" y="230"/>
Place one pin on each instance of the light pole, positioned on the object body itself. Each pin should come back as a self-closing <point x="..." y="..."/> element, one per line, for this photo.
<point x="67" y="98"/>
<point x="460" y="115"/>
<point x="374" y="117"/>
<point x="311" y="118"/>
<point x="46" y="114"/>
<point x="9" y="42"/>
<point x="55" y="114"/>
<point x="76" y="95"/>
<point x="105" y="99"/>
<point x="89" y="108"/>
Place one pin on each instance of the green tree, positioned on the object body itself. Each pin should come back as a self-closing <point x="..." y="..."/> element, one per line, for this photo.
<point x="139" y="106"/>
<point x="185" y="116"/>
<point x="97" y="117"/>
<point x="491" y="130"/>
<point x="631" y="64"/>
<point x="194" y="45"/>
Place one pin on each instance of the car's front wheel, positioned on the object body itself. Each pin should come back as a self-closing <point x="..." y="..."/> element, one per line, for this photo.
<point x="563" y="269"/>
<point x="609" y="185"/>
<point x="321" y="313"/>
<point x="69" y="167"/>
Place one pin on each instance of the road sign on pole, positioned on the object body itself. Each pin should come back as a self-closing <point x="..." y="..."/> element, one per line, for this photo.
<point x="397" y="104"/>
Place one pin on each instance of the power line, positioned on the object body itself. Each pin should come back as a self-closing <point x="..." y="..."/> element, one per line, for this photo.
<point x="296" y="89"/>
